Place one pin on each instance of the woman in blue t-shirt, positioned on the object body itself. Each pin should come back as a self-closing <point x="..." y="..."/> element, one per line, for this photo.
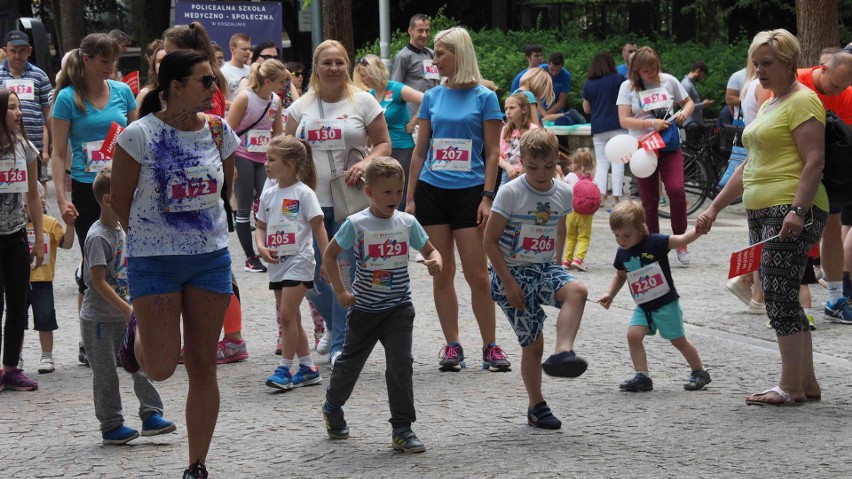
<point x="599" y="95"/>
<point x="450" y="188"/>
<point x="86" y="105"/>
<point x="372" y="75"/>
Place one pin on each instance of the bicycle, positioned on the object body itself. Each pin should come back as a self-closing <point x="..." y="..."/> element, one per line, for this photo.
<point x="704" y="163"/>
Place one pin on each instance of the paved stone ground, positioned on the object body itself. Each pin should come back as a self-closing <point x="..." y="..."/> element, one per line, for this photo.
<point x="472" y="422"/>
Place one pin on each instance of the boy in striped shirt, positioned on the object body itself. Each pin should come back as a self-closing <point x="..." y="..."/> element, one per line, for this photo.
<point x="380" y="307"/>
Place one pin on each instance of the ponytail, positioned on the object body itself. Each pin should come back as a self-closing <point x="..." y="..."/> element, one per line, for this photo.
<point x="299" y="153"/>
<point x="73" y="73"/>
<point x="152" y="102"/>
<point x="307" y="172"/>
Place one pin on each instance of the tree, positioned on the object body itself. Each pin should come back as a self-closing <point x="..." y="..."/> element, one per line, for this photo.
<point x="337" y="23"/>
<point x="70" y="24"/>
<point x="817" y="28"/>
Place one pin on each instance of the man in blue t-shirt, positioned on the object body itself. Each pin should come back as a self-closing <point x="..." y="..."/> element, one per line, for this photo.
<point x="32" y="86"/>
<point x="628" y="49"/>
<point x="534" y="55"/>
<point x="561" y="82"/>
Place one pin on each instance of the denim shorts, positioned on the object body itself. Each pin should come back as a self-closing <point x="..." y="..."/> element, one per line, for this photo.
<point x="40" y="299"/>
<point x="149" y="275"/>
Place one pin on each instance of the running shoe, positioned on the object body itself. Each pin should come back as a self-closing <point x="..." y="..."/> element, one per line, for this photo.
<point x="839" y="312"/>
<point x="335" y="423"/>
<point x="306" y="376"/>
<point x="741" y="290"/>
<point x="125" y="350"/>
<point x="16" y="380"/>
<point x="118" y="436"/>
<point x="811" y="322"/>
<point x="697" y="380"/>
<point x="565" y="364"/>
<point x="230" y="351"/>
<point x="683" y="256"/>
<point x="280" y="379"/>
<point x="566" y="264"/>
<point x="452" y="358"/>
<point x="195" y="471"/>
<point x="254" y="265"/>
<point x="756" y="308"/>
<point x="404" y="439"/>
<point x="46" y="366"/>
<point x="333" y="357"/>
<point x="324" y="343"/>
<point x="495" y="359"/>
<point x="638" y="383"/>
<point x="540" y="417"/>
<point x="81" y="355"/>
<point x="156" y="425"/>
<point x="579" y="265"/>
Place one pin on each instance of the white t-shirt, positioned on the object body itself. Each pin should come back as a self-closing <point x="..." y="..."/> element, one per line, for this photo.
<point x="628" y="96"/>
<point x="749" y="102"/>
<point x="233" y="75"/>
<point x="530" y="233"/>
<point x="177" y="207"/>
<point x="349" y="120"/>
<point x="287" y="213"/>
<point x="737" y="80"/>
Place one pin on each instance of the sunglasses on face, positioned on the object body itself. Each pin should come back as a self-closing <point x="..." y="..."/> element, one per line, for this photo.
<point x="363" y="61"/>
<point x="268" y="57"/>
<point x="296" y="74"/>
<point x="207" y="80"/>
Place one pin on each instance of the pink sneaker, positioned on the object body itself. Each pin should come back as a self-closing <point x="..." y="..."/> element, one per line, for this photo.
<point x="231" y="351"/>
<point x="579" y="264"/>
<point x="15" y="380"/>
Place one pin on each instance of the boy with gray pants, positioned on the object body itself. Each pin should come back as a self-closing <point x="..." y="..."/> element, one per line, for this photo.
<point x="104" y="315"/>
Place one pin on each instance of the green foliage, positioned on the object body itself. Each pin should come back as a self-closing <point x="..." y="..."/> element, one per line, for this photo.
<point x="501" y="57"/>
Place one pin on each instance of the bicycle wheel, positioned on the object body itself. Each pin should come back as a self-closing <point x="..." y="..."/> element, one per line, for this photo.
<point x="696" y="182"/>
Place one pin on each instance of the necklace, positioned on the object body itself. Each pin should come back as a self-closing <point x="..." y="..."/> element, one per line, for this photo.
<point x="778" y="98"/>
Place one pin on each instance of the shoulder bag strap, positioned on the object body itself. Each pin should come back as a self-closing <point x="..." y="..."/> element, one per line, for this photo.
<point x="243" y="131"/>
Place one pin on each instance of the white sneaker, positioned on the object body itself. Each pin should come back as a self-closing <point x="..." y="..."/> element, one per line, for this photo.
<point x="683" y="256"/>
<point x="46" y="366"/>
<point x="333" y="358"/>
<point x="740" y="289"/>
<point x="324" y="343"/>
<point x="756" y="308"/>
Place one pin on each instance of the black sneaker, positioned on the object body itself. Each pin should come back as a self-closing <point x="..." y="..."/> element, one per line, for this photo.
<point x="195" y="471"/>
<point x="254" y="265"/>
<point x="697" y="380"/>
<point x="406" y="441"/>
<point x="81" y="355"/>
<point x="638" y="383"/>
<point x="495" y="359"/>
<point x="565" y="364"/>
<point x="540" y="417"/>
<point x="335" y="424"/>
<point x="452" y="358"/>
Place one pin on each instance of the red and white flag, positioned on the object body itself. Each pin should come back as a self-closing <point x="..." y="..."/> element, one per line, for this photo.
<point x="652" y="141"/>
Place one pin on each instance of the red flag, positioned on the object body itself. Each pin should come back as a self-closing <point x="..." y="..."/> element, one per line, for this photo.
<point x="108" y="148"/>
<point x="745" y="260"/>
<point x="132" y="80"/>
<point x="652" y="141"/>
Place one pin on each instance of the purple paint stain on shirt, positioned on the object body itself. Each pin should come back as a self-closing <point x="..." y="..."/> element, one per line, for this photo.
<point x="172" y="164"/>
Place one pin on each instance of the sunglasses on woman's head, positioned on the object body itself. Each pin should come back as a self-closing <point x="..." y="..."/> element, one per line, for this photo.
<point x="363" y="61"/>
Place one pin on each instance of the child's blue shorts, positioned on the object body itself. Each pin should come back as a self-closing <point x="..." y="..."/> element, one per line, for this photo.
<point x="149" y="275"/>
<point x="539" y="282"/>
<point x="668" y="319"/>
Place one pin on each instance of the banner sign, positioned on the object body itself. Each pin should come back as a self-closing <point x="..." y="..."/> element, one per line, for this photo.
<point x="259" y="20"/>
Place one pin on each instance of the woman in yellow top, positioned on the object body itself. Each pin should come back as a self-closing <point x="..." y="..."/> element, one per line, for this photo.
<point x="786" y="205"/>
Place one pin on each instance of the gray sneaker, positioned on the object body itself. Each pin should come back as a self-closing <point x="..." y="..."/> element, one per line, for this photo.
<point x="405" y="440"/>
<point x="697" y="380"/>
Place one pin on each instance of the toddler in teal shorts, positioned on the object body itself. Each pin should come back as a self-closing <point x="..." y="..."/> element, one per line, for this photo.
<point x="642" y="262"/>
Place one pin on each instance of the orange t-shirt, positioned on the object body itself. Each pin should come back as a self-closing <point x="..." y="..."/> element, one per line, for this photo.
<point x="840" y="104"/>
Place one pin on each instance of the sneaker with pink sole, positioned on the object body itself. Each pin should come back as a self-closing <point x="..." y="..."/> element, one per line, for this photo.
<point x="230" y="351"/>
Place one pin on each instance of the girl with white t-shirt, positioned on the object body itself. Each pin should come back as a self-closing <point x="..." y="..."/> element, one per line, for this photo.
<point x="288" y="219"/>
<point x="339" y="121"/>
<point x="256" y="116"/>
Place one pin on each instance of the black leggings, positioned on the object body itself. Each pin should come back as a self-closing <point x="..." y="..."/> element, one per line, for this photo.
<point x="88" y="210"/>
<point x="15" y="283"/>
<point x="251" y="176"/>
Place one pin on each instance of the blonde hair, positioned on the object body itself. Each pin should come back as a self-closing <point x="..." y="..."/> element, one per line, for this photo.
<point x="102" y="184"/>
<point x="584" y="159"/>
<point x="383" y="167"/>
<point x="526" y="116"/>
<point x="783" y="45"/>
<point x="260" y="72"/>
<point x="373" y="67"/>
<point x="645" y="57"/>
<point x="316" y="84"/>
<point x="539" y="83"/>
<point x="74" y="71"/>
<point x="539" y="143"/>
<point x="628" y="213"/>
<point x="298" y="153"/>
<point x="458" y="41"/>
<point x="238" y="37"/>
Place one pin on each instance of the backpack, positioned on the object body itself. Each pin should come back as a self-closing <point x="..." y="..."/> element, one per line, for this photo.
<point x="587" y="195"/>
<point x="214" y="123"/>
<point x="837" y="172"/>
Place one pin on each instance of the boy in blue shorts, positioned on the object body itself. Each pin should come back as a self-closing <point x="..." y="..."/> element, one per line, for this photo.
<point x="380" y="307"/>
<point x="642" y="261"/>
<point x="524" y="239"/>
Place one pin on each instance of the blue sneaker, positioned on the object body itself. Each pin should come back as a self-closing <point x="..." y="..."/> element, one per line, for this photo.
<point x="120" y="435"/>
<point x="280" y="379"/>
<point x="335" y="423"/>
<point x="839" y="312"/>
<point x="156" y="425"/>
<point x="638" y="383"/>
<point x="540" y="417"/>
<point x="306" y="376"/>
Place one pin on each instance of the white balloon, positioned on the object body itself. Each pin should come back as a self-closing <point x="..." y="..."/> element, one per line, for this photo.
<point x="643" y="163"/>
<point x="619" y="148"/>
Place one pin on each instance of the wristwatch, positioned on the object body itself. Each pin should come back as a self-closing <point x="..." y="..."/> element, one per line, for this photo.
<point x="800" y="211"/>
<point x="488" y="194"/>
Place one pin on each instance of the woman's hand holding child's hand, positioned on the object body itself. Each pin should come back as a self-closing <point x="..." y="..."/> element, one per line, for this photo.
<point x="434" y="266"/>
<point x="605" y="300"/>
